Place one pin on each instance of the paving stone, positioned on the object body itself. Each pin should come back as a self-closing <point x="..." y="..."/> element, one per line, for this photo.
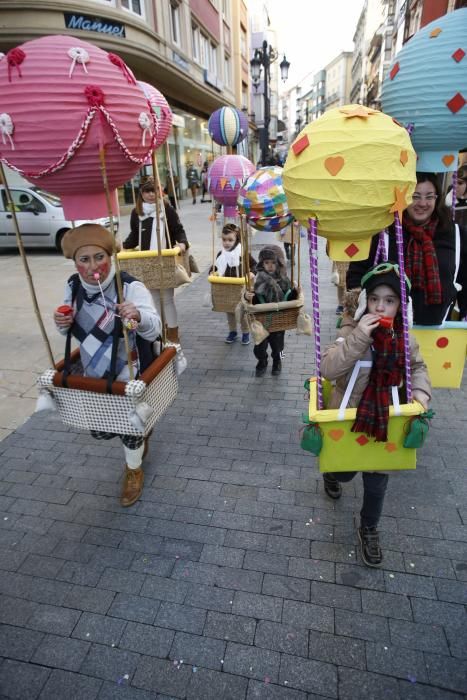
<point x="210" y="598"/>
<point x="414" y="635"/>
<point x="223" y="556"/>
<point x="212" y="685"/>
<point x="362" y="626"/>
<point x="147" y="639"/>
<point x="239" y="579"/>
<point x="234" y="628"/>
<point x="268" y="691"/>
<point x="90" y="599"/>
<point x="246" y="540"/>
<point x="394" y="661"/>
<point x="109" y="663"/>
<point x="310" y="676"/>
<point x="36" y="565"/>
<point x="99" y="628"/>
<point x="259" y="606"/>
<point x="360" y="577"/>
<point x="282" y="638"/>
<point x="270" y="563"/>
<point x="312" y="569"/>
<point x="456" y="633"/>
<point x="121" y="581"/>
<point x="316" y="617"/>
<point x="366" y="686"/>
<point x="198" y="651"/>
<point x="286" y="587"/>
<point x="152" y="564"/>
<point x="18" y="643"/>
<point x="180" y="549"/>
<point x="20" y="681"/>
<point x="133" y="607"/>
<point x="251" y="662"/>
<point x="165" y="589"/>
<point x="195" y="572"/>
<point x="429" y="566"/>
<point x="336" y="596"/>
<point x="410" y="584"/>
<point x="15" y="611"/>
<point x="420" y="691"/>
<point x="435" y="612"/>
<point x="162" y="676"/>
<point x="181" y="617"/>
<point x="60" y="652"/>
<point x="290" y="546"/>
<point x="63" y="684"/>
<point x="82" y="574"/>
<point x="451" y="591"/>
<point x="342" y="651"/>
<point x="113" y="691"/>
<point x="53" y="619"/>
<point x="386" y="604"/>
<point x="112" y="557"/>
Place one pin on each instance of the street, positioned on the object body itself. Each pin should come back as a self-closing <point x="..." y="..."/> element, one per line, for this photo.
<point x="234" y="577"/>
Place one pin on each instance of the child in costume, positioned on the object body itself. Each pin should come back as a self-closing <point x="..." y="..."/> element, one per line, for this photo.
<point x="229" y="264"/>
<point x="95" y="319"/>
<point x="364" y="336"/>
<point x="271" y="285"/>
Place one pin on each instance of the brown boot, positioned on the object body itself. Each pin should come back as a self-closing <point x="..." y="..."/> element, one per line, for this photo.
<point x="133" y="481"/>
<point x="172" y="334"/>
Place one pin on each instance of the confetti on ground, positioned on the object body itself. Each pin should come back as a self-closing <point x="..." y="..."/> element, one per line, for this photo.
<point x="412" y="564"/>
<point x="412" y="679"/>
<point x="391" y="575"/>
<point x="194" y="669"/>
<point x="267" y="679"/>
<point x="385" y="648"/>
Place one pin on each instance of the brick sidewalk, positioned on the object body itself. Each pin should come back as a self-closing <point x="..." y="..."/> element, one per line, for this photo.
<point x="234" y="577"/>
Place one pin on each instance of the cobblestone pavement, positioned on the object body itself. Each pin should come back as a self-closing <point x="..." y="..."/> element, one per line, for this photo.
<point x="234" y="577"/>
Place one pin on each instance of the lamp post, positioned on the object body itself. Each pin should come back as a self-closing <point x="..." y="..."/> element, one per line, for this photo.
<point x="298" y="124"/>
<point x="263" y="58"/>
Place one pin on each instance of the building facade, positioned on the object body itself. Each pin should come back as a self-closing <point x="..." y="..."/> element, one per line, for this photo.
<point x="338" y="81"/>
<point x="194" y="51"/>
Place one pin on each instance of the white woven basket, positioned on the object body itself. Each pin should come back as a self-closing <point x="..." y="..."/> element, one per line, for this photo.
<point x="90" y="410"/>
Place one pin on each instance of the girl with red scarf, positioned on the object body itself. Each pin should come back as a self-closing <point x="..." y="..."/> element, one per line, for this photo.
<point x="363" y="337"/>
<point x="430" y="255"/>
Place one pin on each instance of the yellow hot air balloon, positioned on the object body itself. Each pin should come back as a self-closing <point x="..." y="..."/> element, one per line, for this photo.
<point x="350" y="169"/>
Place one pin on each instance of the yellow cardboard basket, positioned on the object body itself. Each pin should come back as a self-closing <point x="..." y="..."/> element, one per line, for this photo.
<point x="344" y="451"/>
<point x="443" y="349"/>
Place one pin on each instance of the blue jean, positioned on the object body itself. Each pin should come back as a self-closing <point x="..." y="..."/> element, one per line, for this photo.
<point x="374" y="490"/>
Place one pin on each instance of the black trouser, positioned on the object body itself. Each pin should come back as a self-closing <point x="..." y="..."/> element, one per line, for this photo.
<point x="276" y="342"/>
<point x="374" y="489"/>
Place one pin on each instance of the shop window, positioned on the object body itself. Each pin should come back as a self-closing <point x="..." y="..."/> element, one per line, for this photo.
<point x="134" y="6"/>
<point x="195" y="43"/>
<point x="227" y="71"/>
<point x="175" y="23"/>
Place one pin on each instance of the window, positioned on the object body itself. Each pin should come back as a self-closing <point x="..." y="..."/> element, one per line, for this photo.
<point x="204" y="50"/>
<point x="134" y="6"/>
<point x="243" y="46"/>
<point x="195" y="43"/>
<point x="244" y="96"/>
<point x="227" y="71"/>
<point x="175" y="23"/>
<point x="226" y="9"/>
<point x="212" y="63"/>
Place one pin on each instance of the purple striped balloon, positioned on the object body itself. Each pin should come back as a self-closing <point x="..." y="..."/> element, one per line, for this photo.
<point x="228" y="126"/>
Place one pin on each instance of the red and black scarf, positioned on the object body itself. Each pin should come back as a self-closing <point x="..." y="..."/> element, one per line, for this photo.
<point x="422" y="263"/>
<point x="387" y="371"/>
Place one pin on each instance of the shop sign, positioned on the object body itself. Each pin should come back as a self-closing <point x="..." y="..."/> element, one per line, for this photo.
<point x="75" y="20"/>
<point x="181" y="63"/>
<point x="211" y="79"/>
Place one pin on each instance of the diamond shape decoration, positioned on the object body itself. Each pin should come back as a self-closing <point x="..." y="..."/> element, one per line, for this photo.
<point x="351" y="250"/>
<point x="394" y="70"/>
<point x="362" y="440"/>
<point x="300" y="145"/>
<point x="435" y="32"/>
<point x="456" y="103"/>
<point x="391" y="447"/>
<point x="458" y="55"/>
<point x="404" y="157"/>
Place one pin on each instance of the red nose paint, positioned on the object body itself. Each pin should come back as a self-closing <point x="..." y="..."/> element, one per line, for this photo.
<point x="65" y="310"/>
<point x="386" y="322"/>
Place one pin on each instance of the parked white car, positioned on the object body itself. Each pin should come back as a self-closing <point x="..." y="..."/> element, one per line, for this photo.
<point x="41" y="219"/>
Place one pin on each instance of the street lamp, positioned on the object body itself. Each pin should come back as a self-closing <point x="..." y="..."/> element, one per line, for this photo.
<point x="263" y="57"/>
<point x="298" y="124"/>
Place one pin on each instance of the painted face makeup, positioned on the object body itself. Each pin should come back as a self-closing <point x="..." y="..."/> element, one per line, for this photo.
<point x="93" y="264"/>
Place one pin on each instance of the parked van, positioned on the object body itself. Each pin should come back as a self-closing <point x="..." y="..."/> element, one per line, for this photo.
<point x="41" y="219"/>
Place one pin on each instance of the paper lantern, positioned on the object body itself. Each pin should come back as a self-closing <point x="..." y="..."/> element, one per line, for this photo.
<point x="161" y="109"/>
<point x="262" y="199"/>
<point x="427" y="86"/>
<point x="228" y="126"/>
<point x="225" y="177"/>
<point x="350" y="169"/>
<point x="62" y="100"/>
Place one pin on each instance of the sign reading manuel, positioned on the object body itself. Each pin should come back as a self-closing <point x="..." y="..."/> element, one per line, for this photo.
<point x="74" y="20"/>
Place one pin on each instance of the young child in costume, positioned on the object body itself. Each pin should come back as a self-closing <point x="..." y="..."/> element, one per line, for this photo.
<point x="95" y="320"/>
<point x="361" y="337"/>
<point x="271" y="285"/>
<point x="229" y="264"/>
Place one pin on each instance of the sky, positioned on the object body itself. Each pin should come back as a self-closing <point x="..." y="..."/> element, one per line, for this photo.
<point x="313" y="32"/>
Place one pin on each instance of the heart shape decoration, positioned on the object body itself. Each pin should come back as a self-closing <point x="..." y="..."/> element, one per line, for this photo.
<point x="336" y="434"/>
<point x="334" y="164"/>
<point x="447" y="160"/>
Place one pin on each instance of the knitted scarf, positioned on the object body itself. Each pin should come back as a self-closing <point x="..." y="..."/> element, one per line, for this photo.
<point x="422" y="263"/>
<point x="387" y="371"/>
<point x="229" y="258"/>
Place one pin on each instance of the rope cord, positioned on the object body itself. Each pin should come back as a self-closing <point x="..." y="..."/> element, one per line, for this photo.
<point x="405" y="321"/>
<point x="313" y="249"/>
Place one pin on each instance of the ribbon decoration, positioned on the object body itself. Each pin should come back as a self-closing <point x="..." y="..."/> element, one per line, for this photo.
<point x="7" y="128"/>
<point x="79" y="55"/>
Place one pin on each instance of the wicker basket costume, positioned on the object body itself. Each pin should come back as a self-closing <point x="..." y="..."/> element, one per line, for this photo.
<point x="277" y="316"/>
<point x="226" y="292"/>
<point x="84" y="403"/>
<point x="146" y="266"/>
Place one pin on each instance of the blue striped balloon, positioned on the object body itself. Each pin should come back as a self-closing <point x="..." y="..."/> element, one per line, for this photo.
<point x="228" y="126"/>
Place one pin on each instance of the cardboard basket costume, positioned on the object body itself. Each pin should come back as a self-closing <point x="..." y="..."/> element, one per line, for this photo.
<point x="443" y="348"/>
<point x="344" y="451"/>
<point x="276" y="316"/>
<point x="132" y="408"/>
<point x="156" y="272"/>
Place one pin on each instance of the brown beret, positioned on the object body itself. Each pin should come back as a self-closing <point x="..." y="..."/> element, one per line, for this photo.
<point x="86" y="234"/>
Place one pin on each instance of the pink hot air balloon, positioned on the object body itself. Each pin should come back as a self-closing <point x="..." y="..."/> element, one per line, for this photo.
<point x="62" y="101"/>
<point x="225" y="177"/>
<point x="161" y="109"/>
